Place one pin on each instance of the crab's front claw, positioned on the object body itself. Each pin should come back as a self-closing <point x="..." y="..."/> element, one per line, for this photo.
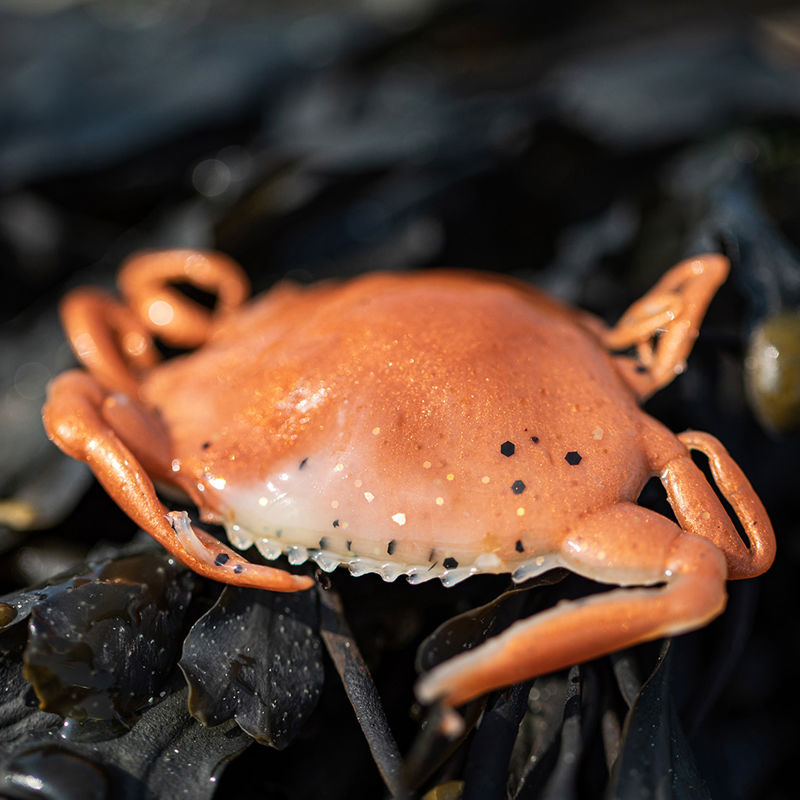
<point x="661" y="327"/>
<point x="77" y="420"/>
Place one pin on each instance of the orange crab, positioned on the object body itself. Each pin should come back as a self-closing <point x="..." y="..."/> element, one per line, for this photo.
<point x="438" y="424"/>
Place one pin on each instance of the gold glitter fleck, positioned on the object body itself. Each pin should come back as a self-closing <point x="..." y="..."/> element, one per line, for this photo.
<point x="376" y="431"/>
<point x="262" y="501"/>
<point x="597" y="433"/>
<point x="426" y="465"/>
<point x="520" y="512"/>
<point x="369" y="497"/>
<point x="400" y="518"/>
<point x="450" y="476"/>
<point x="334" y="504"/>
<point x="485" y="479"/>
<point x="338" y="468"/>
<point x="440" y="501"/>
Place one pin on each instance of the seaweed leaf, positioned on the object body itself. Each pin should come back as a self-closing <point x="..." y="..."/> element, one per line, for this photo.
<point x="256" y="657"/>
<point x="655" y="759"/>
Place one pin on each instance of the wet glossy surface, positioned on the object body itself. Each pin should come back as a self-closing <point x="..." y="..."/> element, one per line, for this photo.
<point x="101" y="645"/>
<point x="438" y="421"/>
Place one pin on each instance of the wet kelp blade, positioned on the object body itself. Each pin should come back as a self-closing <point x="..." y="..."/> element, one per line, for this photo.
<point x="165" y="754"/>
<point x="103" y="643"/>
<point x="360" y="688"/>
<point x="435" y="744"/>
<point x="486" y="773"/>
<point x="256" y="657"/>
<point x="655" y="759"/>
<point x="49" y="771"/>
<point x="549" y="754"/>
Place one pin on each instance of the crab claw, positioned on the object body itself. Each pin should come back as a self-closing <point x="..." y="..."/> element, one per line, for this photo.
<point x="74" y="420"/>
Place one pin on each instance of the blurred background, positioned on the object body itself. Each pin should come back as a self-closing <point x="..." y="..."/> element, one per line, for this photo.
<point x="582" y="147"/>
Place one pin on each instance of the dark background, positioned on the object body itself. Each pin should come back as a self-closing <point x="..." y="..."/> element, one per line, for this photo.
<point x="584" y="147"/>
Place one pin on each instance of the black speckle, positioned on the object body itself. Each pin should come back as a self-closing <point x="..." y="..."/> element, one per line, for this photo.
<point x="205" y="445"/>
<point x="279" y="533"/>
<point x="303" y="463"/>
<point x="518" y="487"/>
<point x="222" y="558"/>
<point x="507" y="449"/>
<point x="535" y="439"/>
<point x="238" y="569"/>
<point x="431" y="555"/>
<point x="640" y="368"/>
<point x="336" y="523"/>
<point x="573" y="458"/>
<point x="449" y="563"/>
<point x="518" y="546"/>
<point x="323" y="543"/>
<point x="390" y="548"/>
<point x="349" y="544"/>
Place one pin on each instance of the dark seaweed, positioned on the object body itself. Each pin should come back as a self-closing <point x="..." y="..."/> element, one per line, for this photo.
<point x="255" y="657"/>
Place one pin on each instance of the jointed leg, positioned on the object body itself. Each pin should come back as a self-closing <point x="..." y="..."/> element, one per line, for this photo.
<point x="74" y="420"/>
<point x="173" y="317"/>
<point x="698" y="509"/>
<point x="108" y="339"/>
<point x="623" y="544"/>
<point x="663" y="324"/>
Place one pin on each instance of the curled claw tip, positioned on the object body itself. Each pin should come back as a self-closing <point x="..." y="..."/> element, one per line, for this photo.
<point x="451" y="724"/>
<point x="180" y="523"/>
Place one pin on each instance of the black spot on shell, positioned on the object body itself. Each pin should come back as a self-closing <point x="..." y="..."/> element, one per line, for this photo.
<point x="640" y="368"/>
<point x="390" y="548"/>
<point x="205" y="445"/>
<point x="349" y="544"/>
<point x="238" y="569"/>
<point x="222" y="558"/>
<point x="323" y="543"/>
<point x="573" y="458"/>
<point x="535" y="439"/>
<point x="507" y="449"/>
<point x="303" y="463"/>
<point x="518" y="487"/>
<point x="336" y="523"/>
<point x="432" y="555"/>
<point x="449" y="563"/>
<point x="518" y="546"/>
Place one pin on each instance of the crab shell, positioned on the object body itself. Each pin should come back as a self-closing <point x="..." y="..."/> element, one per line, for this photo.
<point x="435" y="425"/>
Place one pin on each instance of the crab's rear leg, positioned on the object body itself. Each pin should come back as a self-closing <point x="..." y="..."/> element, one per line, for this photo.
<point x="661" y="327"/>
<point x="146" y="282"/>
<point x="76" y="418"/>
<point x="622" y="544"/>
<point x="698" y="509"/>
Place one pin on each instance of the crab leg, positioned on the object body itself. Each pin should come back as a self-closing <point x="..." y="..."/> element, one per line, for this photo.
<point x="74" y="420"/>
<point x="166" y="312"/>
<point x="622" y="544"/>
<point x="663" y="324"/>
<point x="108" y="339"/>
<point x="698" y="509"/>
